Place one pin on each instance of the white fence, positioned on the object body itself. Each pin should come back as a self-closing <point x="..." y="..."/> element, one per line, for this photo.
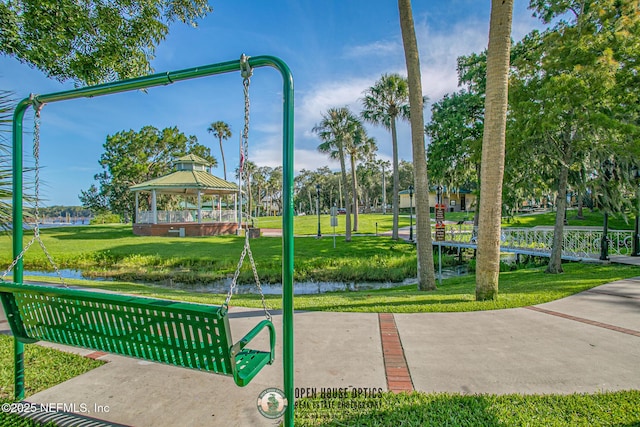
<point x="227" y="215"/>
<point x="580" y="243"/>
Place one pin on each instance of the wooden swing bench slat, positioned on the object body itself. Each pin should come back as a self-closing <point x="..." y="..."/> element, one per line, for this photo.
<point x="183" y="334"/>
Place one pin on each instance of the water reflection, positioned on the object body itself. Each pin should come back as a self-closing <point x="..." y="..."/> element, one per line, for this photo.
<point x="299" y="288"/>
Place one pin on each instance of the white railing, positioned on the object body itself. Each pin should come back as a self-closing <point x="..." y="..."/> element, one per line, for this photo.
<point x="580" y="243"/>
<point x="164" y="217"/>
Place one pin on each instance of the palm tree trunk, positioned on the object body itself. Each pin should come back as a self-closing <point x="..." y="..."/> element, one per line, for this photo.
<point x="426" y="273"/>
<point x="493" y="145"/>
<point x="354" y="187"/>
<point x="224" y="164"/>
<point x="396" y="180"/>
<point x="347" y="235"/>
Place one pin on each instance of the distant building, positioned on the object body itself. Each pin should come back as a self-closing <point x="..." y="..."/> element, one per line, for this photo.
<point x="458" y="200"/>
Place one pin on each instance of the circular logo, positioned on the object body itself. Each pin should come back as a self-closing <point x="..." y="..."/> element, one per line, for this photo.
<point x="272" y="403"/>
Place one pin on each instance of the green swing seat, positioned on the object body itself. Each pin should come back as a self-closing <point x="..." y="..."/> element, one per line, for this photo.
<point x="183" y="334"/>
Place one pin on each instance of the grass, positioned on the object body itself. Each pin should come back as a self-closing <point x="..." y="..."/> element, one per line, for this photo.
<point x="517" y="289"/>
<point x="620" y="408"/>
<point x="591" y="219"/>
<point x="44" y="368"/>
<point x="113" y="251"/>
<point x="308" y="224"/>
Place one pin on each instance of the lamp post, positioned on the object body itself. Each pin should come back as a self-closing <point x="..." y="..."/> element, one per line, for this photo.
<point x="635" y="250"/>
<point x="604" y="243"/>
<point x="411" y="213"/>
<point x="318" y="209"/>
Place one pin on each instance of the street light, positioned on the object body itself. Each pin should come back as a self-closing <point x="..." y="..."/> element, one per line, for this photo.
<point x="635" y="250"/>
<point x="411" y="213"/>
<point x="318" y="208"/>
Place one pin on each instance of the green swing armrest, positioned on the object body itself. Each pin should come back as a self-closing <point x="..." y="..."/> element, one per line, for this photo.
<point x="237" y="347"/>
<point x="247" y="362"/>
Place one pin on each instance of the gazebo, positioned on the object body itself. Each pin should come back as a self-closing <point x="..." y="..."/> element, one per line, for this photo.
<point x="192" y="181"/>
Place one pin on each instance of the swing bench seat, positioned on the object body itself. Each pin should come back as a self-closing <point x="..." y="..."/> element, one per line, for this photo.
<point x="183" y="334"/>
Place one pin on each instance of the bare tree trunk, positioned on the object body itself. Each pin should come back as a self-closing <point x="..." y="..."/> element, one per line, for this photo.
<point x="396" y="180"/>
<point x="555" y="260"/>
<point x="426" y="273"/>
<point x="580" y="214"/>
<point x="493" y="146"/>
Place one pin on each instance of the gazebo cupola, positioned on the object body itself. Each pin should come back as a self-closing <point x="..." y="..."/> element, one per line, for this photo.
<point x="191" y="162"/>
<point x="191" y="181"/>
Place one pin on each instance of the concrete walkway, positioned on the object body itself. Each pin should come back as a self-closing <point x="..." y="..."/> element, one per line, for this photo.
<point x="588" y="342"/>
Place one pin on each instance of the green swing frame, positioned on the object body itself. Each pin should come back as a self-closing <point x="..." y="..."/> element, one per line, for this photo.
<point x="184" y="334"/>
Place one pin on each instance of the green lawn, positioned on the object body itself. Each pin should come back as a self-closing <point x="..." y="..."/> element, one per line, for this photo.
<point x="113" y="251"/>
<point x="308" y="224"/>
<point x="442" y="409"/>
<point x="44" y="368"/>
<point x="591" y="219"/>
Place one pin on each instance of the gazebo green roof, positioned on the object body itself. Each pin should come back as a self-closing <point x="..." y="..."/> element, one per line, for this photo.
<point x="188" y="181"/>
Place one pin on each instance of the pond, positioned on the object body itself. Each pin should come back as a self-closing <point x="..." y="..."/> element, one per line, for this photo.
<point x="299" y="288"/>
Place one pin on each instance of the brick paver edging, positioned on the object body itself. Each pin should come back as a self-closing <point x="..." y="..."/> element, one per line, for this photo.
<point x="587" y="321"/>
<point x="395" y="364"/>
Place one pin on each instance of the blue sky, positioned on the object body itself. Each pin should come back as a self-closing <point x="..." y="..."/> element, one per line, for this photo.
<point x="335" y="49"/>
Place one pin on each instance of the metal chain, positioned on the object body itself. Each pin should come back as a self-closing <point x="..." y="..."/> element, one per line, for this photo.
<point x="257" y="279"/>
<point x="246" y="72"/>
<point x="246" y="250"/>
<point x="36" y="229"/>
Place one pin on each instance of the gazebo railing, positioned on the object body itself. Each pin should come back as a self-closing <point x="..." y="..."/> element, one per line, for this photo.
<point x="168" y="217"/>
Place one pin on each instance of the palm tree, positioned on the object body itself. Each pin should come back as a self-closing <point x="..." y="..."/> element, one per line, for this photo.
<point x="426" y="273"/>
<point x="493" y="146"/>
<point x="336" y="131"/>
<point x="383" y="103"/>
<point x="221" y="131"/>
<point x="360" y="147"/>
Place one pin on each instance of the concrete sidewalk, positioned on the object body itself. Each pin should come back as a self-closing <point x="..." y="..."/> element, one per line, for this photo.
<point x="588" y="342"/>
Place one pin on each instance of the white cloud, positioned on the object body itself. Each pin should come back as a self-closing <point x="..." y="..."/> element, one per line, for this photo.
<point x="329" y="94"/>
<point x="377" y="48"/>
<point x="439" y="51"/>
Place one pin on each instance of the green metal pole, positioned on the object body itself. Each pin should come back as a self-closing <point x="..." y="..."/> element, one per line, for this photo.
<point x="160" y="79"/>
<point x="18" y="347"/>
<point x="287" y="242"/>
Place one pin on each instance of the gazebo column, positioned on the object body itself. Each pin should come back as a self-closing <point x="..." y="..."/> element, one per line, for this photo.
<point x="154" y="207"/>
<point x="235" y="203"/>
<point x="199" y="208"/>
<point x="137" y="218"/>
